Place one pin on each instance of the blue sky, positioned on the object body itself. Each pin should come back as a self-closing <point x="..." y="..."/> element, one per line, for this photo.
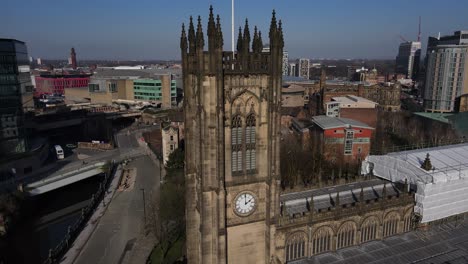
<point x="150" y="29"/>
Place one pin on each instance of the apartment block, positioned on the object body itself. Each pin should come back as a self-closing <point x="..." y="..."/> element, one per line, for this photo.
<point x="446" y="71"/>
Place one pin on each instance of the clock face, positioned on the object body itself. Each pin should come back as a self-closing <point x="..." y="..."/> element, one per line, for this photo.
<point x="245" y="203"/>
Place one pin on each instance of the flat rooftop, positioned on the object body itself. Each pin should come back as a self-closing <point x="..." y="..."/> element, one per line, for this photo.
<point x="139" y="73"/>
<point x="449" y="163"/>
<point x="293" y="88"/>
<point x="351" y="99"/>
<point x="327" y="122"/>
<point x="447" y="243"/>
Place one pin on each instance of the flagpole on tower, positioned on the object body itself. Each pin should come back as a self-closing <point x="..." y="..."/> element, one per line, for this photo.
<point x="232" y="27"/>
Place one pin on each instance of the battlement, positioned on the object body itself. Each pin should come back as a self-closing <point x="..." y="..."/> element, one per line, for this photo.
<point x="249" y="57"/>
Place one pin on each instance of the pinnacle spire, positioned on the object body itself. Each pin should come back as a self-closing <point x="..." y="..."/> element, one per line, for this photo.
<point x="199" y="37"/>
<point x="219" y="32"/>
<point x="239" y="40"/>
<point x="183" y="39"/>
<point x="260" y="42"/>
<point x="211" y="23"/>
<point x="280" y="34"/>
<point x="273" y="27"/>
<point x="246" y="45"/>
<point x="255" y="40"/>
<point x="191" y="35"/>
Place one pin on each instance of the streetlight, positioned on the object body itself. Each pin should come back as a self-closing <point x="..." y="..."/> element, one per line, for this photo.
<point x="144" y="203"/>
<point x="161" y="180"/>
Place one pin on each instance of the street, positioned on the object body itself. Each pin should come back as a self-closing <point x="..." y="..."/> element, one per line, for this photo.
<point x="122" y="224"/>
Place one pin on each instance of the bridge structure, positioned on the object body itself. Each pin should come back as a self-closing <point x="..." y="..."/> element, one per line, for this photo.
<point x="57" y="181"/>
<point x="53" y="122"/>
<point x="79" y="171"/>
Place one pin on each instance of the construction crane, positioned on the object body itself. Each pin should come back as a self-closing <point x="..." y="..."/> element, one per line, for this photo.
<point x="402" y="38"/>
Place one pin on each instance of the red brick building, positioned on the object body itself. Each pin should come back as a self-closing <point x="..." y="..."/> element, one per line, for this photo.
<point x="57" y="83"/>
<point x="340" y="140"/>
<point x="367" y="116"/>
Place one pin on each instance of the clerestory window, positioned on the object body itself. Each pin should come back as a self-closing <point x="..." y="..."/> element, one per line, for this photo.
<point x="236" y="145"/>
<point x="250" y="144"/>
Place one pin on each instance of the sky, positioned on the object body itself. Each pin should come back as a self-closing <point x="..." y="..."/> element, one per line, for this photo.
<point x="150" y="29"/>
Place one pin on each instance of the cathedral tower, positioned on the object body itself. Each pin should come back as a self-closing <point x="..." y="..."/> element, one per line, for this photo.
<point x="232" y="118"/>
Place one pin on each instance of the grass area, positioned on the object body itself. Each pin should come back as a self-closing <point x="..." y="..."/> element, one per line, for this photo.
<point x="175" y="253"/>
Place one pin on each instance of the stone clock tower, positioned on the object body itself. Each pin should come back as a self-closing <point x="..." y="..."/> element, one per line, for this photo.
<point x="232" y="132"/>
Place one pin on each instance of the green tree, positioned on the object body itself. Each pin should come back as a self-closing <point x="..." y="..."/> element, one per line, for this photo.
<point x="176" y="160"/>
<point x="167" y="213"/>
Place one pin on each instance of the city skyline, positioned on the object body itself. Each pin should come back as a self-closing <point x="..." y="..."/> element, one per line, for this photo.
<point x="151" y="30"/>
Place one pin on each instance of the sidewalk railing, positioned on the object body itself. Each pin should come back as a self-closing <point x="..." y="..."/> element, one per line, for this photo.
<point x="422" y="145"/>
<point x="74" y="230"/>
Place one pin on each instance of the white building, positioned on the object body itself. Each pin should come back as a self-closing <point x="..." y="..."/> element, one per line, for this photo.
<point x="303" y="66"/>
<point x="137" y="67"/>
<point x="292" y="69"/>
<point x="350" y="101"/>
<point x="170" y="141"/>
<point x="285" y="63"/>
<point x="442" y="191"/>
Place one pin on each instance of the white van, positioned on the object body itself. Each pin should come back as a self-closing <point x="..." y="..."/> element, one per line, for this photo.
<point x="59" y="152"/>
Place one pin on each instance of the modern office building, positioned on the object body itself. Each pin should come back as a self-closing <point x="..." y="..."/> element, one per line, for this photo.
<point x="285" y="63"/>
<point x="303" y="66"/>
<point x="107" y="86"/>
<point x="407" y="61"/>
<point x="292" y="69"/>
<point x="446" y="71"/>
<point x="161" y="89"/>
<point x="15" y="96"/>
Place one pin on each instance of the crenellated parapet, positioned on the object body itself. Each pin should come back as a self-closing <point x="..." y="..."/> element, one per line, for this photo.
<point x="315" y="209"/>
<point x="249" y="58"/>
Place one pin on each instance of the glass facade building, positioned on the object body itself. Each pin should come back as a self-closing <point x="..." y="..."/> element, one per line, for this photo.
<point x="147" y="89"/>
<point x="155" y="90"/>
<point x="446" y="71"/>
<point x="407" y="61"/>
<point x="15" y="95"/>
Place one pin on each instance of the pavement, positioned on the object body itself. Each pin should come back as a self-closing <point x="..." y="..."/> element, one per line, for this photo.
<point x="122" y="225"/>
<point x="88" y="230"/>
<point x="116" y="234"/>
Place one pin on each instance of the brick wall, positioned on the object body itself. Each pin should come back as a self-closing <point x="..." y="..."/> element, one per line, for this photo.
<point x="367" y="116"/>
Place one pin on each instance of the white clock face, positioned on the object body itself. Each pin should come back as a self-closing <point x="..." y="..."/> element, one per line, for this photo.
<point x="245" y="203"/>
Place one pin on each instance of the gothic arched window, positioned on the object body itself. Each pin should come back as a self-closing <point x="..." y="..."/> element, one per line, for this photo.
<point x="390" y="225"/>
<point x="322" y="240"/>
<point x="250" y="138"/>
<point x="346" y="236"/>
<point x="236" y="144"/>
<point x="296" y="246"/>
<point x="369" y="229"/>
<point x="407" y="222"/>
